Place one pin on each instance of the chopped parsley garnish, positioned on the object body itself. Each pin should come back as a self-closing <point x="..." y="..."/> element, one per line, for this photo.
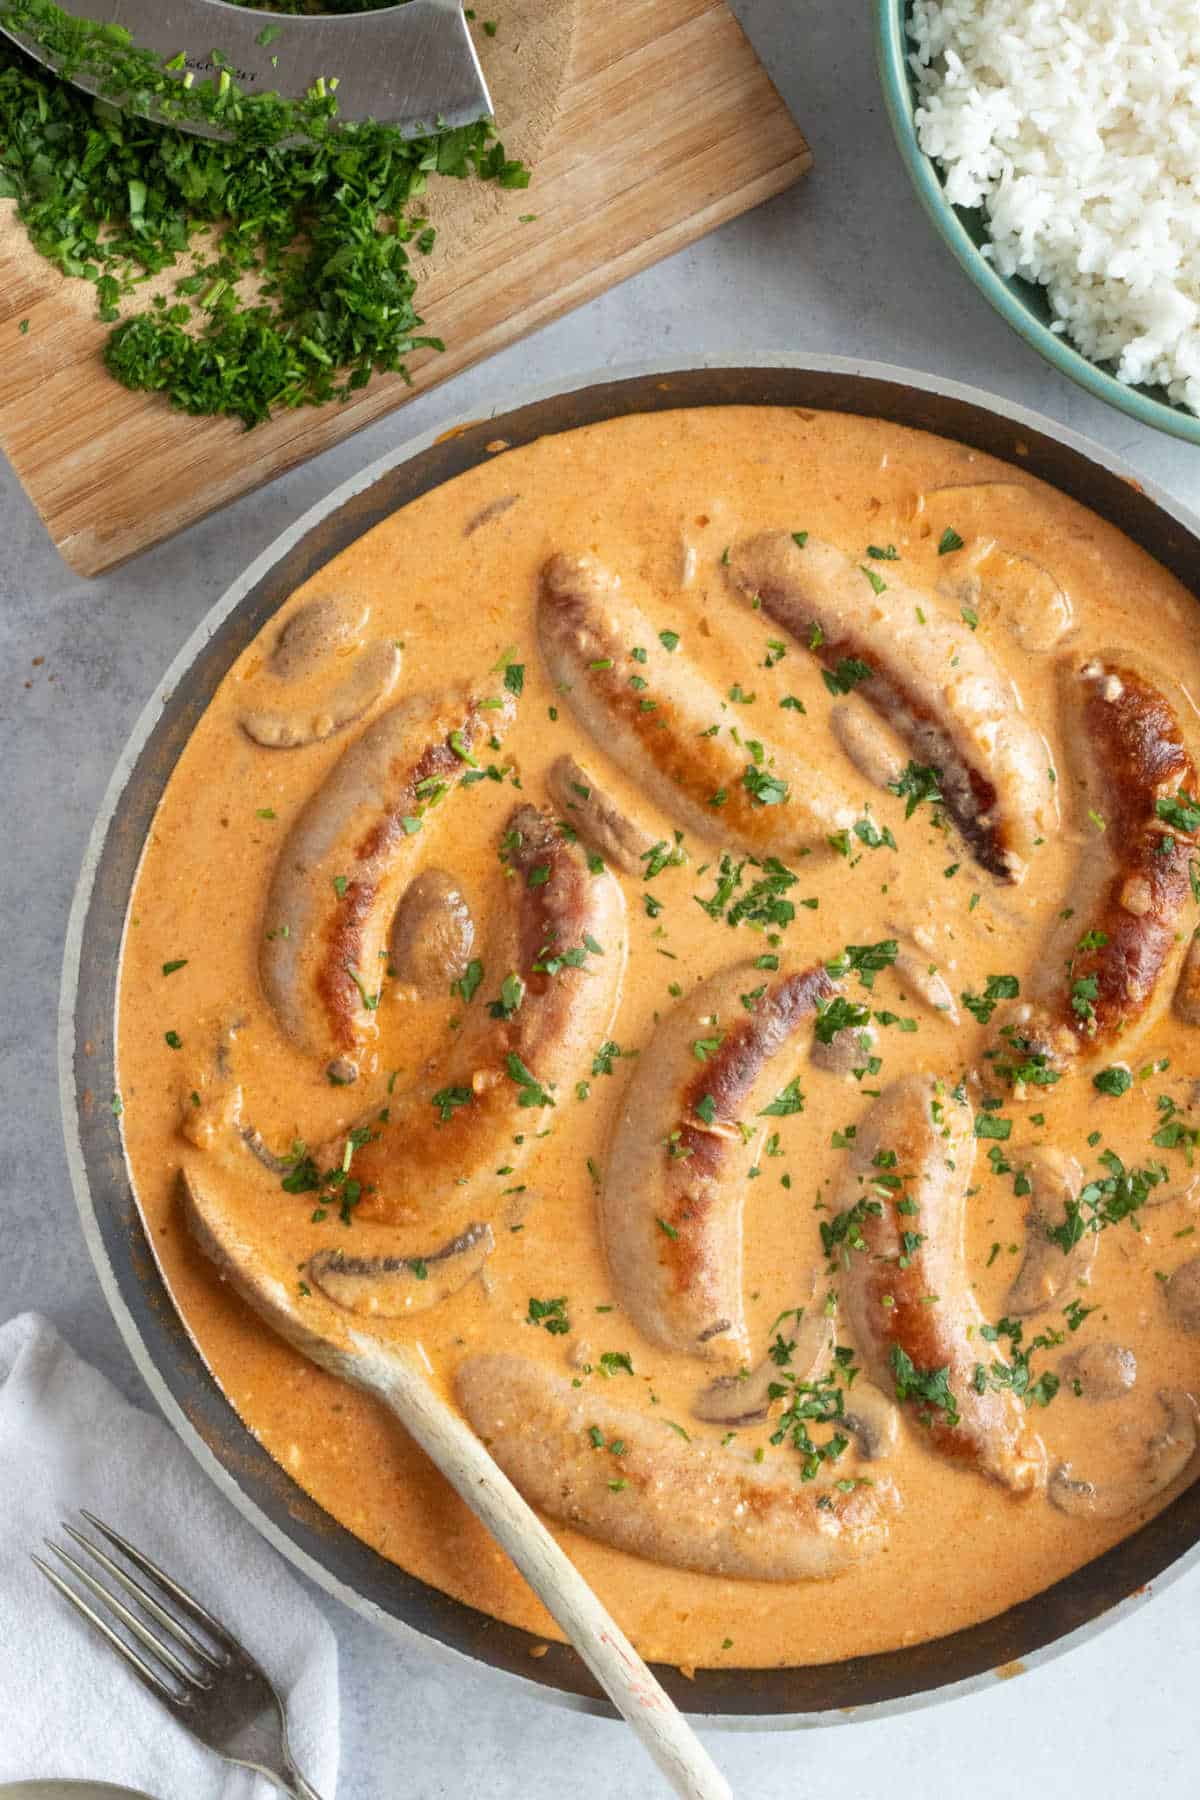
<point x="448" y="1099"/>
<point x="949" y="541"/>
<point x="847" y="672"/>
<point x="920" y="781"/>
<point x="468" y="982"/>
<point x="837" y="1015"/>
<point x="606" y="1056"/>
<point x="999" y="987"/>
<point x="669" y="640"/>
<point x="512" y="993"/>
<point x="531" y="1093"/>
<point x="930" y="1386"/>
<point x="320" y="217"/>
<point x="865" y="959"/>
<point x="551" y="1315"/>
<point x="763" y="789"/>
<point x="169" y="968"/>
<point x="1115" y="1081"/>
<point x="789" y="1100"/>
<point x="1180" y="811"/>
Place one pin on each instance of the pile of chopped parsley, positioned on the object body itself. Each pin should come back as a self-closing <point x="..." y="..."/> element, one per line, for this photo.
<point x="292" y="241"/>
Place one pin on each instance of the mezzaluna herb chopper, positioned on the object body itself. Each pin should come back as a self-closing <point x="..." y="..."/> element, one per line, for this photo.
<point x="187" y="62"/>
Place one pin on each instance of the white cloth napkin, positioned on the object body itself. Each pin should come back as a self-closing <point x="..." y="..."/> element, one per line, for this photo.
<point x="69" y="1705"/>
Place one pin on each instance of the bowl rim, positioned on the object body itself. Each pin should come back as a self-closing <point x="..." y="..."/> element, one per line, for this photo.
<point x="79" y="1064"/>
<point x="891" y="57"/>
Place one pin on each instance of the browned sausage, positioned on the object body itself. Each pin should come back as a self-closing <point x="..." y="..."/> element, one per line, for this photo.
<point x="439" y="1143"/>
<point x="1111" y="964"/>
<point x="910" y="1309"/>
<point x="928" y="675"/>
<point x="664" y="723"/>
<point x="348" y="857"/>
<point x="690" y="1505"/>
<point x="671" y="1201"/>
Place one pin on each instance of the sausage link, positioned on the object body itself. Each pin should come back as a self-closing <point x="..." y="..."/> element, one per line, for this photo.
<point x="673" y="1188"/>
<point x="689" y="1505"/>
<point x="912" y="1300"/>
<point x="349" y="856"/>
<point x="929" y="676"/>
<point x="440" y="1142"/>
<point x="654" y="716"/>
<point x="1110" y="964"/>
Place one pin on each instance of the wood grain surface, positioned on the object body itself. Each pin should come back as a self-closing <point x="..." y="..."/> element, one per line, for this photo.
<point x="668" y="126"/>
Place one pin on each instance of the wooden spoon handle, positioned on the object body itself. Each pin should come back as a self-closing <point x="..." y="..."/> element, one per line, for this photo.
<point x="450" y="1443"/>
<point x="397" y="1378"/>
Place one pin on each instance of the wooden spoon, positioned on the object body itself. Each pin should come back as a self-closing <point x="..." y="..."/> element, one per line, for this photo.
<point x="395" y="1376"/>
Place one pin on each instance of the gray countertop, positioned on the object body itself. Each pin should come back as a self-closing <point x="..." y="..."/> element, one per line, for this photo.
<point x="845" y="263"/>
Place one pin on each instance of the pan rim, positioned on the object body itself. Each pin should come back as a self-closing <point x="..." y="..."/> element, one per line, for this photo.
<point x="225" y="1477"/>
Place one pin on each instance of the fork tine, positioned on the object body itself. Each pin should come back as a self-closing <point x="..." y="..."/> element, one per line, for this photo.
<point x="141" y="1669"/>
<point x="145" y="1599"/>
<point x="129" y="1619"/>
<point x="190" y="1605"/>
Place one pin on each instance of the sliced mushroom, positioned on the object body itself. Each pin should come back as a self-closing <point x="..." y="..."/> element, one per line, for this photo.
<point x="212" y="1115"/>
<point x="258" y="1146"/>
<point x="965" y="506"/>
<point x="341" y="1072"/>
<point x="1002" y="584"/>
<point x="930" y="986"/>
<point x="597" y="818"/>
<point x="846" y="1051"/>
<point x="1047" y="1271"/>
<point x="392" y="1287"/>
<point x="743" y="1398"/>
<point x="370" y="678"/>
<point x="433" y="933"/>
<point x="1100" y="1371"/>
<point x="875" y="751"/>
<point x="1025" y="597"/>
<point x="494" y="510"/>
<point x="872" y="1420"/>
<point x="1168" y="1455"/>
<point x="1183" y="1296"/>
<point x="1187" y="994"/>
<point x="313" y="634"/>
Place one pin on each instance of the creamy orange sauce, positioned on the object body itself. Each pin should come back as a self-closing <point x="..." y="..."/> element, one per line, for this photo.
<point x="659" y="499"/>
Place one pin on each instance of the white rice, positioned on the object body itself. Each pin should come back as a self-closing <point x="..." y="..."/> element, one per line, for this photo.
<point x="1076" y="125"/>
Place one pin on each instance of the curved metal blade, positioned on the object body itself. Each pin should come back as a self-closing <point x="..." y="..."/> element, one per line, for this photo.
<point x="413" y="66"/>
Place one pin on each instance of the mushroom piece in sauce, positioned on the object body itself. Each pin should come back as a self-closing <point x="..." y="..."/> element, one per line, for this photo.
<point x="392" y="1287"/>
<point x="1168" y="1455"/>
<point x="1183" y="1296"/>
<point x="743" y="1398"/>
<point x="596" y="816"/>
<point x="872" y="1420"/>
<point x="1100" y="1371"/>
<point x="1187" y="993"/>
<point x="1047" y="1271"/>
<point x="433" y="933"/>
<point x="370" y="678"/>
<point x="313" y="634"/>
<point x="872" y="747"/>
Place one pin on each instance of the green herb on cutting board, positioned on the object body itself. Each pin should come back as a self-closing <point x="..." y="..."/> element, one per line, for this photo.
<point x="285" y="253"/>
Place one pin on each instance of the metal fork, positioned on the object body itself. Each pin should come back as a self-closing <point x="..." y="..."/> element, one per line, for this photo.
<point x="216" y="1688"/>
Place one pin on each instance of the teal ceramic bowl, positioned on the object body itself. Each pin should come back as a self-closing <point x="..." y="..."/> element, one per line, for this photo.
<point x="1022" y="303"/>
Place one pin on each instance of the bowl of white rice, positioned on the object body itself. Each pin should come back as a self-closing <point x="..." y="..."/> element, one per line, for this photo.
<point x="1056" y="146"/>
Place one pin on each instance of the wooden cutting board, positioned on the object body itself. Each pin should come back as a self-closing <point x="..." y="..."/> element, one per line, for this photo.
<point x="669" y="126"/>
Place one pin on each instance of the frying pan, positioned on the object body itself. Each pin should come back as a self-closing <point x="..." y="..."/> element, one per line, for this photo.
<point x="865" y="1686"/>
